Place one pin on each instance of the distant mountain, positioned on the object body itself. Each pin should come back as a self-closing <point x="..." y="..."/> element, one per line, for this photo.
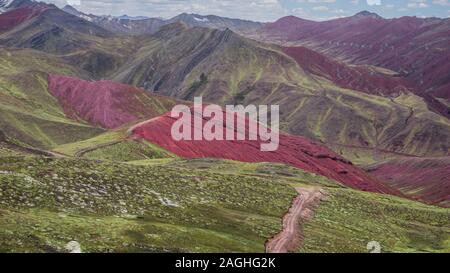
<point x="11" y="19"/>
<point x="71" y="10"/>
<point x="415" y="48"/>
<point x="122" y="24"/>
<point x="217" y="22"/>
<point x="50" y="30"/>
<point x="318" y="96"/>
<point x="4" y="4"/>
<point x="132" y="18"/>
<point x="130" y="26"/>
<point x="367" y="14"/>
<point x="367" y="79"/>
<point x="7" y="5"/>
<point x="144" y="25"/>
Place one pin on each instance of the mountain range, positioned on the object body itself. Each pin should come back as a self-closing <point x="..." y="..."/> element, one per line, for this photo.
<point x="364" y="114"/>
<point x="415" y="48"/>
<point x="144" y="25"/>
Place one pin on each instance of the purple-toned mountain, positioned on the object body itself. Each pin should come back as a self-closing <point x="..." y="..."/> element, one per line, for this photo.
<point x="418" y="49"/>
<point x="144" y="25"/>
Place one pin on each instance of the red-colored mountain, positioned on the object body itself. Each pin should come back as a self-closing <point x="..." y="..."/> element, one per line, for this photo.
<point x="293" y="150"/>
<point x="425" y="179"/>
<point x="15" y="17"/>
<point x="361" y="78"/>
<point x="418" y="49"/>
<point x="105" y="103"/>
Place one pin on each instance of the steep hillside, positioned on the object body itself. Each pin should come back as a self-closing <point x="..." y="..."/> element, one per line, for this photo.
<point x="8" y="5"/>
<point x="15" y="17"/>
<point x="50" y="31"/>
<point x="225" y="207"/>
<point x="296" y="151"/>
<point x="346" y="221"/>
<point x="362" y="78"/>
<point x="226" y="68"/>
<point x="104" y="103"/>
<point x="74" y="39"/>
<point x="117" y="207"/>
<point x="416" y="48"/>
<point x="426" y="179"/>
<point x="29" y="114"/>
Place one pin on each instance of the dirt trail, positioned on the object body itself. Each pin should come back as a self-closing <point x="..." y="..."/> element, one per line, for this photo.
<point x="302" y="209"/>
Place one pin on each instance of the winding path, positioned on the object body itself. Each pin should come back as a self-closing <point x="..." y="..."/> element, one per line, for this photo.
<point x="290" y="237"/>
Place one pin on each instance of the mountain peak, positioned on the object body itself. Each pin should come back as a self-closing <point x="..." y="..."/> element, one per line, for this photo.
<point x="69" y="8"/>
<point x="11" y="4"/>
<point x="367" y="14"/>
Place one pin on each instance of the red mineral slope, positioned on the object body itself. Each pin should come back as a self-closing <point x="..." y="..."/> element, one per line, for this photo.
<point x="424" y="179"/>
<point x="416" y="48"/>
<point x="293" y="150"/>
<point x="361" y="78"/>
<point x="105" y="103"/>
<point x="15" y="17"/>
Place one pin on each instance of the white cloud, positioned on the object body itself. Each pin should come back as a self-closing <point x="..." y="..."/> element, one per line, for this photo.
<point x="442" y="2"/>
<point x="373" y="2"/>
<point x="320" y="8"/>
<point x="417" y="4"/>
<point x="261" y="10"/>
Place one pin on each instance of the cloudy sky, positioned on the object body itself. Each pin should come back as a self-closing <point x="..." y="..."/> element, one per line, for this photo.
<point x="263" y="10"/>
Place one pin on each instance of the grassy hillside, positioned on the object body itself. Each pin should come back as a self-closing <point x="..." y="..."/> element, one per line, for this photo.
<point x="82" y="43"/>
<point x="195" y="206"/>
<point x="129" y="150"/>
<point x="348" y="220"/>
<point x="225" y="68"/>
<point x="29" y="113"/>
<point x="117" y="207"/>
<point x="113" y="146"/>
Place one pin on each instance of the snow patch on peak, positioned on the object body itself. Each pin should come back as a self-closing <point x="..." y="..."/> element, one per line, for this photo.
<point x="201" y="19"/>
<point x="4" y="4"/>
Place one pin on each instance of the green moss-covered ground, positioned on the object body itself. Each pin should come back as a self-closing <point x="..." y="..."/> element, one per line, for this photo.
<point x="202" y="205"/>
<point x="129" y="150"/>
<point x="45" y="203"/>
<point x="348" y="220"/>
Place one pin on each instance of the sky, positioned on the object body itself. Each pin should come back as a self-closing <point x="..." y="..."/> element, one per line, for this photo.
<point x="262" y="10"/>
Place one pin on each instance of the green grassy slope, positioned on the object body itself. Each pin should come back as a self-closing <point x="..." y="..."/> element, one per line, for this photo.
<point x="118" y="207"/>
<point x="113" y="146"/>
<point x="28" y="111"/>
<point x="225" y="68"/>
<point x="348" y="220"/>
<point x="201" y="205"/>
<point x="71" y="149"/>
<point x="129" y="150"/>
<point x="78" y="41"/>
